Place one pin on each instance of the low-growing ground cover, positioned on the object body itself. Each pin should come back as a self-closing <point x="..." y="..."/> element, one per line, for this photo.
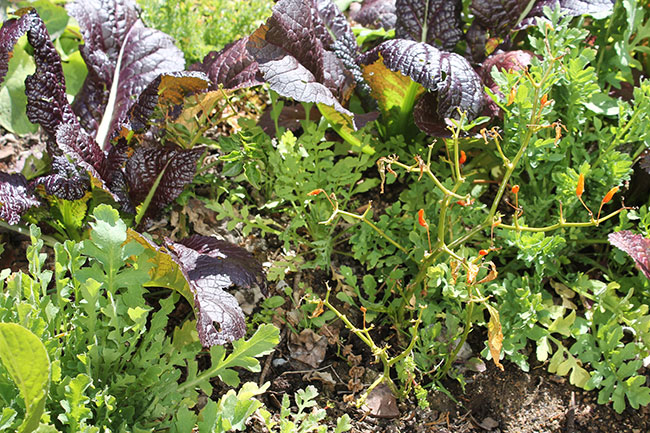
<point x="406" y="216"/>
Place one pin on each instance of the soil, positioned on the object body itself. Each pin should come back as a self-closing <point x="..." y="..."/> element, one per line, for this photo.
<point x="509" y="401"/>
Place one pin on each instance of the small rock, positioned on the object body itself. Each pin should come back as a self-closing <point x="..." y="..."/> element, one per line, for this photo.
<point x="489" y="424"/>
<point x="381" y="403"/>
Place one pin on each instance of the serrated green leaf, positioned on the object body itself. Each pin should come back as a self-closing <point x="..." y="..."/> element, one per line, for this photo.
<point x="6" y="418"/>
<point x="579" y="376"/>
<point x="562" y="325"/>
<point x="343" y="424"/>
<point x="25" y="359"/>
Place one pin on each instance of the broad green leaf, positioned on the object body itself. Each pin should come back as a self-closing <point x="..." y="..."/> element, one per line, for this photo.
<point x="13" y="101"/>
<point x="26" y="360"/>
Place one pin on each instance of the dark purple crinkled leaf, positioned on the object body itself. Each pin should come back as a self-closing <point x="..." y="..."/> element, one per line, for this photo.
<point x="10" y="32"/>
<point x="47" y="103"/>
<point x="636" y="246"/>
<point x="168" y="89"/>
<point x="15" y="197"/>
<point x="498" y="16"/>
<point x="67" y="180"/>
<point x="294" y="61"/>
<point x="448" y="74"/>
<point x="210" y="266"/>
<point x="146" y="163"/>
<point x="570" y="7"/>
<point x="376" y="13"/>
<point x="426" y="117"/>
<point x="330" y="23"/>
<point x="476" y="38"/>
<point x="436" y="22"/>
<point x="76" y="143"/>
<point x="502" y="16"/>
<point x="233" y="67"/>
<point x="114" y="36"/>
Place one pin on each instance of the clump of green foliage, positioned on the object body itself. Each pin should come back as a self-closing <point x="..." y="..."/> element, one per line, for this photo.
<point x="201" y="26"/>
<point x="110" y="360"/>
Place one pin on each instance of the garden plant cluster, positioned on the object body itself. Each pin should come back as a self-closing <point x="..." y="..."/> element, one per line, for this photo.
<point x="441" y="169"/>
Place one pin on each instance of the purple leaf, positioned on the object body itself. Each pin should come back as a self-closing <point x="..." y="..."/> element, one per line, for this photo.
<point x="498" y="16"/>
<point x="234" y="66"/>
<point x="67" y="181"/>
<point x="210" y="266"/>
<point x="570" y="7"/>
<point x="294" y="61"/>
<point x="436" y="22"/>
<point x="448" y="74"/>
<point x="330" y="24"/>
<point x="146" y="163"/>
<point x="117" y="47"/>
<point x="166" y="91"/>
<point x="15" y="197"/>
<point x="636" y="246"/>
<point x="375" y="14"/>
<point x="47" y="104"/>
<point x="503" y="61"/>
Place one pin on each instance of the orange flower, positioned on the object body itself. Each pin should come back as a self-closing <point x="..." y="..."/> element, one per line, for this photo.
<point x="610" y="194"/>
<point x="464" y="203"/>
<point x="315" y="192"/>
<point x="421" y="219"/>
<point x="483" y="253"/>
<point x="463" y="157"/>
<point x="581" y="185"/>
<point x="515" y="189"/>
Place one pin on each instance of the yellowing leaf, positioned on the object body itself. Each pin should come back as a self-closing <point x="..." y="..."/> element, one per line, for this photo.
<point x="472" y="272"/>
<point x="388" y="87"/>
<point x="165" y="272"/>
<point x="495" y="336"/>
<point x="492" y="275"/>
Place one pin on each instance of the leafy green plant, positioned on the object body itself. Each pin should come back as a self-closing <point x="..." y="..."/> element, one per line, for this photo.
<point x="201" y="26"/>
<point x="113" y="362"/>
<point x="308" y="418"/>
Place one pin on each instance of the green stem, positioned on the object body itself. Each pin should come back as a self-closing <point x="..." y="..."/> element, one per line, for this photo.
<point x="406" y="109"/>
<point x="363" y="218"/>
<point x="463" y="338"/>
<point x="48" y="240"/>
<point x="617" y="139"/>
